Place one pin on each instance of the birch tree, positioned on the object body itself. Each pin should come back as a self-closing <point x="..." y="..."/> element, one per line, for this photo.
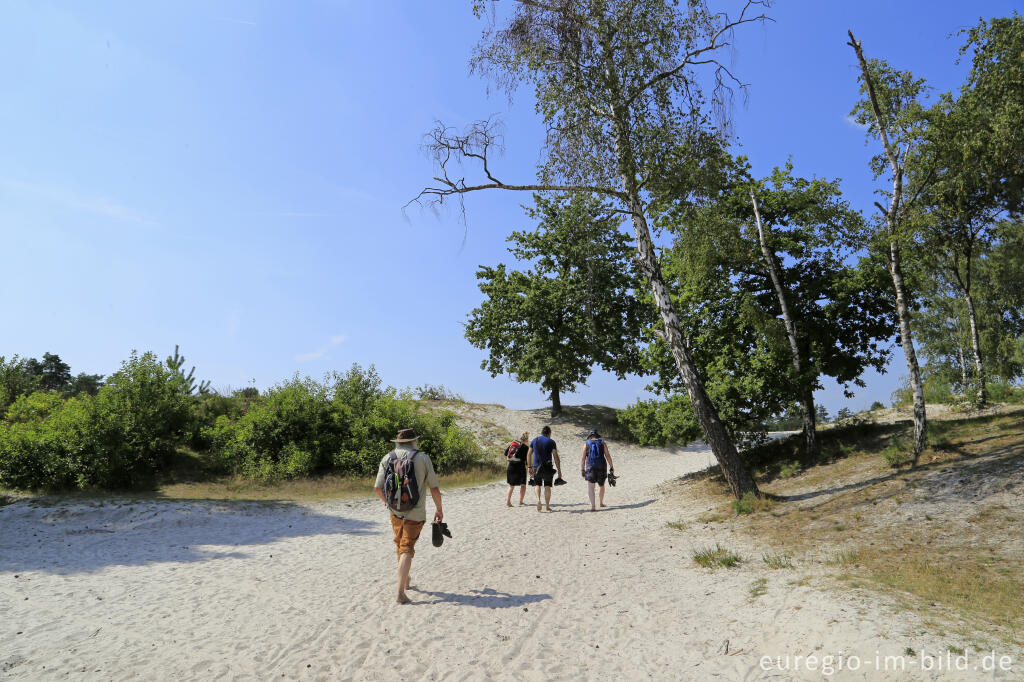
<point x="894" y="115"/>
<point x="618" y="84"/>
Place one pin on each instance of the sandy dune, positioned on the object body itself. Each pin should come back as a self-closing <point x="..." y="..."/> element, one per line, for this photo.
<point x="170" y="590"/>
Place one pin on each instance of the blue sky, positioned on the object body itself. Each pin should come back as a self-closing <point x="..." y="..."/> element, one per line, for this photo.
<point x="230" y="176"/>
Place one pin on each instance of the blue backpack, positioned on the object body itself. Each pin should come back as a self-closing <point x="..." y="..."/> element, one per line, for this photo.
<point x="595" y="454"/>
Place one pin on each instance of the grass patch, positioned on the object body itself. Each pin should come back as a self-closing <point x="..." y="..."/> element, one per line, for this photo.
<point x="942" y="537"/>
<point x="897" y="453"/>
<point x="748" y="504"/>
<point x="778" y="561"/>
<point x="677" y="525"/>
<point x="844" y="557"/>
<point x="717" y="556"/>
<point x="758" y="588"/>
<point x="789" y="469"/>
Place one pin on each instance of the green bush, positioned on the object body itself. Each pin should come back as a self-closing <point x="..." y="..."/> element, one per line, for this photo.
<point x="898" y="453"/>
<point x="33" y="406"/>
<point x="659" y="422"/>
<point x="119" y="439"/>
<point x="342" y="425"/>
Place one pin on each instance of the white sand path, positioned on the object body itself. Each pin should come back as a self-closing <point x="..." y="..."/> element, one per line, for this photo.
<point x="206" y="590"/>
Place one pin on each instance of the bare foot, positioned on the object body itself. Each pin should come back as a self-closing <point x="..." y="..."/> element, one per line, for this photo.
<point x="402" y="599"/>
<point x="538" y="506"/>
<point x="507" y="503"/>
<point x="603" y="504"/>
<point x="521" y="503"/>
<point x="547" y="509"/>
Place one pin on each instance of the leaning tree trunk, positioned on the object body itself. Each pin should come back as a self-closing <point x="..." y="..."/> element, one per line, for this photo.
<point x="907" y="341"/>
<point x="807" y="403"/>
<point x="892" y="218"/>
<point x="735" y="470"/>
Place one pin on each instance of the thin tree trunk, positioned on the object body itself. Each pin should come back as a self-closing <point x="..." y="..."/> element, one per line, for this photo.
<point x="556" y="402"/>
<point x="892" y="216"/>
<point x="979" y="367"/>
<point x="809" y="417"/>
<point x="907" y="341"/>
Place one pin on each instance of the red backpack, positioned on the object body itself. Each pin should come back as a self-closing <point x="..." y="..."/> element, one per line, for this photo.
<point x="512" y="450"/>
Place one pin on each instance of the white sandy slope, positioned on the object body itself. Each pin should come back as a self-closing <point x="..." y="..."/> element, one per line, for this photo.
<point x="172" y="590"/>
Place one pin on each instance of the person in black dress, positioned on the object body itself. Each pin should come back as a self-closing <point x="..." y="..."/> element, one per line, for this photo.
<point x="516" y="474"/>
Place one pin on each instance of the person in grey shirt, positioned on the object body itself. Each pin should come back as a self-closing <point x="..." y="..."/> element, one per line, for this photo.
<point x="407" y="525"/>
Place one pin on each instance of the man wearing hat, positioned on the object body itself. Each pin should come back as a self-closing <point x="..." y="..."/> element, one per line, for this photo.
<point x="407" y="525"/>
<point x="595" y="464"/>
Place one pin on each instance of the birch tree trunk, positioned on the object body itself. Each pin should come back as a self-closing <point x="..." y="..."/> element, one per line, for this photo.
<point x="979" y="367"/>
<point x="807" y="402"/>
<point x="892" y="222"/>
<point x="907" y="341"/>
<point x="735" y="470"/>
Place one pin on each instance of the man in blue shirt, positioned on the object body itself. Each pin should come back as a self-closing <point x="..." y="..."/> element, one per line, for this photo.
<point x="544" y="463"/>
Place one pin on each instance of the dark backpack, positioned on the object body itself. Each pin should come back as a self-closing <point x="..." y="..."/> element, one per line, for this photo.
<point x="512" y="450"/>
<point x="401" y="492"/>
<point x="595" y="454"/>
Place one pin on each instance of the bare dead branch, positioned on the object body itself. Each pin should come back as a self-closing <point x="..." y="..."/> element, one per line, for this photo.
<point x="713" y="45"/>
<point x="449" y="149"/>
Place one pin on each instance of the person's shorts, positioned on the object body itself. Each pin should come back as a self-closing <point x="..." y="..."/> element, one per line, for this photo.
<point x="544" y="476"/>
<point x="406" y="534"/>
<point x="598" y="476"/>
<point x="516" y="474"/>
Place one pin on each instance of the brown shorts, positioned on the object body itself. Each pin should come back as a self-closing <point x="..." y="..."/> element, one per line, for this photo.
<point x="406" y="534"/>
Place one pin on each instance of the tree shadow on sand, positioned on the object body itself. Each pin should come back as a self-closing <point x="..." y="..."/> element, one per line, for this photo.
<point x="88" y="537"/>
<point x="485" y="598"/>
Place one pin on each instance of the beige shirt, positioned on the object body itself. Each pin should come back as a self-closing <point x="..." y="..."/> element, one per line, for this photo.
<point x="425" y="480"/>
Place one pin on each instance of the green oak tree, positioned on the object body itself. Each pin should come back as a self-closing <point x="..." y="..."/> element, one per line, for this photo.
<point x="773" y="297"/>
<point x="574" y="308"/>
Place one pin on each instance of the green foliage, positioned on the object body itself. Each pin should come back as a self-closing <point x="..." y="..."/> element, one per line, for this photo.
<point x="439" y="392"/>
<point x="343" y="425"/>
<point x="730" y="309"/>
<point x="119" y="439"/>
<point x="176" y="364"/>
<point x="15" y="380"/>
<point x="659" y="422"/>
<point x="33" y="406"/>
<point x="21" y="376"/>
<point x="574" y="308"/>
<point x="789" y="469"/>
<point x="898" y="453"/>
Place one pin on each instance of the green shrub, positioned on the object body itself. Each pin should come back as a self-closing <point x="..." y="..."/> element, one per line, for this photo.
<point x="119" y="439"/>
<point x="342" y="425"/>
<point x="898" y="453"/>
<point x="789" y="469"/>
<point x="750" y="503"/>
<point x="659" y="422"/>
<point x="34" y="406"/>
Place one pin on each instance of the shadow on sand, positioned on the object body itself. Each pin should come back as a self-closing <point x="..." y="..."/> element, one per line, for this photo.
<point x="80" y="538"/>
<point x="485" y="598"/>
